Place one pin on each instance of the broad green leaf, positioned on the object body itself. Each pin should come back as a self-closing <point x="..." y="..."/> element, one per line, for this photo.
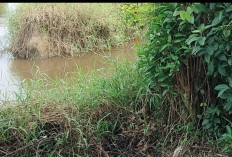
<point x="221" y="86"/>
<point x="192" y="19"/>
<point x="208" y="125"/>
<point x="228" y="106"/>
<point x="193" y="39"/>
<point x="189" y="10"/>
<point x="210" y="50"/>
<point x="229" y="8"/>
<point x="200" y="7"/>
<point x="211" y="6"/>
<point x="201" y="27"/>
<point x="194" y="9"/>
<point x="217" y="120"/>
<point x="216" y="20"/>
<point x="165" y="46"/>
<point x="205" y="121"/>
<point x="196" y="49"/>
<point x="221" y="70"/>
<point x="178" y="35"/>
<point x="230" y="81"/>
<point x="201" y="41"/>
<point x="207" y="57"/>
<point x="169" y="38"/>
<point x="187" y="16"/>
<point x="229" y="130"/>
<point x="226" y="32"/>
<point x="229" y="61"/>
<point x="210" y="68"/>
<point x="222" y="58"/>
<point x="220" y="14"/>
<point x="221" y="92"/>
<point x="182" y="15"/>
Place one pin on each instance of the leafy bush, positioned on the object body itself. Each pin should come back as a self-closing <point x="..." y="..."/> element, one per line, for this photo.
<point x="136" y="16"/>
<point x="187" y="60"/>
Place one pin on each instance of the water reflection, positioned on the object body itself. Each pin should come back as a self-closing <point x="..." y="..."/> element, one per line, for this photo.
<point x="61" y="66"/>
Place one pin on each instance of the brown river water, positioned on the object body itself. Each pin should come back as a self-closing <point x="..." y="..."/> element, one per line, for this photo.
<point x="14" y="71"/>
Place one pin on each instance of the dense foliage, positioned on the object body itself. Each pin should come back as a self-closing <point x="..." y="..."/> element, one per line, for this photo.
<point x="136" y="16"/>
<point x="188" y="62"/>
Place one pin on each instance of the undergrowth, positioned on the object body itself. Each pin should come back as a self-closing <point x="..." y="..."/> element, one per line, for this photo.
<point x="92" y="115"/>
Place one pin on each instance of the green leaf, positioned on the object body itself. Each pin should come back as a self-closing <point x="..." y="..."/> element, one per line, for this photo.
<point x="189" y="10"/>
<point x="230" y="81"/>
<point x="208" y="125"/>
<point x="221" y="70"/>
<point x="178" y="35"/>
<point x="210" y="68"/>
<point x="193" y="39"/>
<point x="220" y="14"/>
<point x="229" y="130"/>
<point x="229" y="61"/>
<point x="211" y="6"/>
<point x="221" y="86"/>
<point x="201" y="27"/>
<point x="196" y="31"/>
<point x="166" y="45"/>
<point x="207" y="57"/>
<point x="205" y="121"/>
<point x="187" y="16"/>
<point x="182" y="15"/>
<point x="216" y="21"/>
<point x="217" y="120"/>
<point x="228" y="106"/>
<point x="229" y="8"/>
<point x="222" y="58"/>
<point x="201" y="41"/>
<point x="200" y="7"/>
<point x="210" y="50"/>
<point x="226" y="32"/>
<point x="194" y="9"/>
<point x="192" y="19"/>
<point x="196" y="49"/>
<point x="169" y="38"/>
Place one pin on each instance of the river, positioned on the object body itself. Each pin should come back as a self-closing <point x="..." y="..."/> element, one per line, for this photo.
<point x="13" y="71"/>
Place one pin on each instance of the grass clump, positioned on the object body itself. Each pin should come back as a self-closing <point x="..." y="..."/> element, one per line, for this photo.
<point x="44" y="30"/>
<point x="70" y="116"/>
<point x="95" y="115"/>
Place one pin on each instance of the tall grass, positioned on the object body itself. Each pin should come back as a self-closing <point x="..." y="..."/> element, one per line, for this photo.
<point x="69" y="116"/>
<point x="65" y="28"/>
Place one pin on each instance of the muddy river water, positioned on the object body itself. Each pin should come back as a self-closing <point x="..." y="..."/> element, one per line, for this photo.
<point x="14" y="71"/>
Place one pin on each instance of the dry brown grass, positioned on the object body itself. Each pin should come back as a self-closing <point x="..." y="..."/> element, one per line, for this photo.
<point x="45" y="30"/>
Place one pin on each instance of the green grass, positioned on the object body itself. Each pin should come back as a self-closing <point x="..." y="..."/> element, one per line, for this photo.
<point x="95" y="114"/>
<point x="86" y="107"/>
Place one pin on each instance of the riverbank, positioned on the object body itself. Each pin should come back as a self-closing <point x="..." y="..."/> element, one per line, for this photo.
<point x="93" y="115"/>
<point x="46" y="30"/>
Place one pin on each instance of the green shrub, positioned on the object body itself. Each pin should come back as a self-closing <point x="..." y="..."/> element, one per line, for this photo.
<point x="187" y="61"/>
<point x="136" y="16"/>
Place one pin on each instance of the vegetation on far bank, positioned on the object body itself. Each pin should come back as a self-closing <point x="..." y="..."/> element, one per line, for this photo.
<point x="51" y="29"/>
